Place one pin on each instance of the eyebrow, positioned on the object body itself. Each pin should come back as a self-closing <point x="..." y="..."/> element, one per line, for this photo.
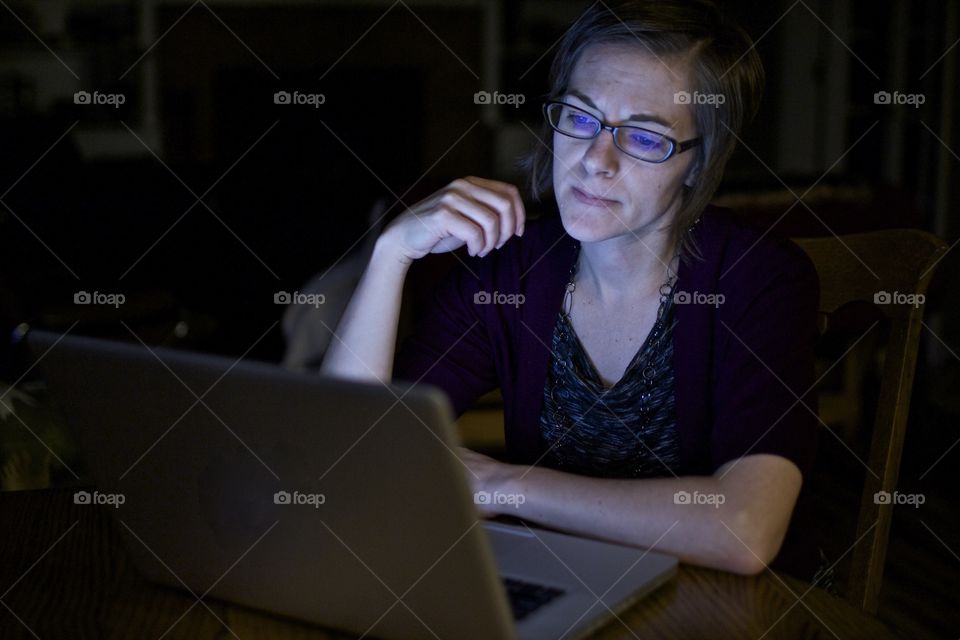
<point x="636" y="117"/>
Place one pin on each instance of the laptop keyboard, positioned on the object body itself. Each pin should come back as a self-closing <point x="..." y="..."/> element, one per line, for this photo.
<point x="526" y="597"/>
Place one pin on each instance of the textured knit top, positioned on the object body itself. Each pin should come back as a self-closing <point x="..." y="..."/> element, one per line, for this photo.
<point x="628" y="430"/>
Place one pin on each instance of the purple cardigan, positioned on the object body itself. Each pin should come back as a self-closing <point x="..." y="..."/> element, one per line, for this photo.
<point x="739" y="366"/>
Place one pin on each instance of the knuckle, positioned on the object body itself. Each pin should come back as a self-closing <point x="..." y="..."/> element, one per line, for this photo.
<point x="490" y="221"/>
<point x="502" y="207"/>
<point x="448" y="198"/>
<point x="445" y="213"/>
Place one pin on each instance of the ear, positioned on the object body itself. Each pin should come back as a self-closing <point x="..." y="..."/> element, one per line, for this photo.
<point x="692" y="174"/>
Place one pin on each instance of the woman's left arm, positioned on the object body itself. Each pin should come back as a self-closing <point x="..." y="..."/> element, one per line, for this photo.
<point x="734" y="520"/>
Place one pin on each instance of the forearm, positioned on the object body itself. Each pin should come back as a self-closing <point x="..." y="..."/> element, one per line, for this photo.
<point x="479" y="213"/>
<point x="364" y="341"/>
<point x="721" y="532"/>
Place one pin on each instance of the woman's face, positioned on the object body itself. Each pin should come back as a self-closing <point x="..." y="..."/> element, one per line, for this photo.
<point x="622" y="85"/>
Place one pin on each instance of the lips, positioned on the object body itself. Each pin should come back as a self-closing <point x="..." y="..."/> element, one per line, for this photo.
<point x="590" y="199"/>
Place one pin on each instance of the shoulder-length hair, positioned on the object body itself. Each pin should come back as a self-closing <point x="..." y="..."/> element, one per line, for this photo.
<point x="723" y="62"/>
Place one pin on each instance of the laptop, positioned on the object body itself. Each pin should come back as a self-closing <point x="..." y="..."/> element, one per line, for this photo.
<point x="338" y="503"/>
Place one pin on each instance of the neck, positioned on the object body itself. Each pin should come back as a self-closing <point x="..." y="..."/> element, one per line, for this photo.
<point x="627" y="266"/>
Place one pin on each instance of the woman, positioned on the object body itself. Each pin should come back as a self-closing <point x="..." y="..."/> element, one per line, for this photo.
<point x="651" y="352"/>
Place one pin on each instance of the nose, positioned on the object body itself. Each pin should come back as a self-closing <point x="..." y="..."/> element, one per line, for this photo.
<point x="601" y="154"/>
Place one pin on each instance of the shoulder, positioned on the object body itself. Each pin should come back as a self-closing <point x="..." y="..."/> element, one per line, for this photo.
<point x="739" y="255"/>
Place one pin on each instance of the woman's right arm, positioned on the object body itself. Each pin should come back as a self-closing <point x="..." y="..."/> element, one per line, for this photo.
<point x="476" y="212"/>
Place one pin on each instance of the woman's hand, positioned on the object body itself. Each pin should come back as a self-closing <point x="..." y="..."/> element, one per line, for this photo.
<point x="488" y="479"/>
<point x="480" y="213"/>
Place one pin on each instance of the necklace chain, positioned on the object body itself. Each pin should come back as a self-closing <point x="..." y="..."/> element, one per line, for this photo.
<point x="666" y="289"/>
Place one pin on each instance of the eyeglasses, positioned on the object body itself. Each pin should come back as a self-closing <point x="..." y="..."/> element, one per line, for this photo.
<point x="636" y="142"/>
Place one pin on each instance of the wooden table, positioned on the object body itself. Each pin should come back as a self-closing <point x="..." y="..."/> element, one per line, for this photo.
<point x="65" y="574"/>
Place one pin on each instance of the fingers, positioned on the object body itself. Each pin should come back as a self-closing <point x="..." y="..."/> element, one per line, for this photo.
<point x="481" y="213"/>
<point x="478" y="212"/>
<point x="496" y="194"/>
<point x="495" y="206"/>
<point x="464" y="228"/>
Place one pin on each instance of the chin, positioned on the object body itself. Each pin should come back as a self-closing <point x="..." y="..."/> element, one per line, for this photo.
<point x="589" y="224"/>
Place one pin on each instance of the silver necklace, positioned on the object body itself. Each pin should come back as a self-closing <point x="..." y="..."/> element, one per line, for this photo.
<point x="560" y="417"/>
<point x="666" y="289"/>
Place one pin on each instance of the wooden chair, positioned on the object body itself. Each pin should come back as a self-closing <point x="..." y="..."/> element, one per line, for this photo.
<point x="903" y="261"/>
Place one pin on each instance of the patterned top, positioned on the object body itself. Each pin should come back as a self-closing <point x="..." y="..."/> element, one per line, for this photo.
<point x="625" y="431"/>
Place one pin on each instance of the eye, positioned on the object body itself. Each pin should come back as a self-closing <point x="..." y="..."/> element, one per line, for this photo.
<point x="582" y="121"/>
<point x="645" y="140"/>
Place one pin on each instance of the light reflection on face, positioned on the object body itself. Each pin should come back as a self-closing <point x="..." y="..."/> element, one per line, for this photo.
<point x="622" y="85"/>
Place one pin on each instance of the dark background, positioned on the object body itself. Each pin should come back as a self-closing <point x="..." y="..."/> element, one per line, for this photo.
<point x="95" y="195"/>
<point x="96" y="198"/>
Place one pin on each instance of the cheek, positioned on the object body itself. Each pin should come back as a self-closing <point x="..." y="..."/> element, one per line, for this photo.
<point x="561" y="155"/>
<point x="669" y="176"/>
<point x="652" y="184"/>
<point x="566" y="153"/>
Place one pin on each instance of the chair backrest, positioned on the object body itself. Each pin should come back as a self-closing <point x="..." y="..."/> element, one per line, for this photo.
<point x="882" y="268"/>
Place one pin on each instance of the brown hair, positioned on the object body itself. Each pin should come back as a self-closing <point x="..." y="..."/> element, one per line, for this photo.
<point x="722" y="60"/>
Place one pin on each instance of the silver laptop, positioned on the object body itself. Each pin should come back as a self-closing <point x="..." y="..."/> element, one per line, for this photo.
<point x="339" y="503"/>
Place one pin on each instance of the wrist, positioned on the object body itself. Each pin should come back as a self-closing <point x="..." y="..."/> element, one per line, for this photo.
<point x="508" y="479"/>
<point x="386" y="254"/>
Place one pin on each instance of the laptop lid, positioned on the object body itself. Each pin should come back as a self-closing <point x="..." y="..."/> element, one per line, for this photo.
<point x="338" y="503"/>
